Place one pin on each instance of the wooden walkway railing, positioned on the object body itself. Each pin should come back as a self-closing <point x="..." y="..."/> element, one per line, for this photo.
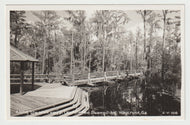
<point x="76" y="78"/>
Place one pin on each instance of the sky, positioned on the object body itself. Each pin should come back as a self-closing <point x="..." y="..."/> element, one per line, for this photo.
<point x="135" y="19"/>
<point x="134" y="23"/>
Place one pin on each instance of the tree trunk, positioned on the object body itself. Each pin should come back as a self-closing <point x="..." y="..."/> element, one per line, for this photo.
<point x="89" y="70"/>
<point x="145" y="54"/>
<point x="16" y="37"/>
<point x="163" y="45"/>
<point x="144" y="21"/>
<point x="15" y="40"/>
<point x="84" y="57"/>
<point x="136" y="60"/>
<point x="71" y="65"/>
<point x="149" y="48"/>
<point x="44" y="55"/>
<point x="103" y="60"/>
<point x="131" y="63"/>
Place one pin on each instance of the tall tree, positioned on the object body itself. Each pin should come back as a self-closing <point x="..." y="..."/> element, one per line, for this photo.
<point x="131" y="48"/>
<point x="47" y="22"/>
<point x="170" y="39"/>
<point x="137" y="41"/>
<point x="164" y="12"/>
<point x="154" y="25"/>
<point x="17" y="26"/>
<point x="77" y="18"/>
<point x="144" y="14"/>
<point x="107" y="25"/>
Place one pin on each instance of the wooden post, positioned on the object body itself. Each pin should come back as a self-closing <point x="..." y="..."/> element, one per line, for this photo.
<point x="21" y="77"/>
<point x="89" y="81"/>
<point x="89" y="64"/>
<point x="105" y="77"/>
<point x="32" y="75"/>
<point x="118" y="74"/>
<point x="73" y="77"/>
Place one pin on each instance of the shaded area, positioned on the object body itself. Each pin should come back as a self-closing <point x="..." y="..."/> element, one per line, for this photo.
<point x="158" y="103"/>
<point x="130" y="97"/>
<point x="15" y="87"/>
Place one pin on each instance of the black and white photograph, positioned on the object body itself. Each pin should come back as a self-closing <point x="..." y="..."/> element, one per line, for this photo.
<point x="96" y="61"/>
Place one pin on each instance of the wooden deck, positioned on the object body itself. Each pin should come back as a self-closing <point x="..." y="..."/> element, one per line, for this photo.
<point x="21" y="103"/>
<point x="48" y="94"/>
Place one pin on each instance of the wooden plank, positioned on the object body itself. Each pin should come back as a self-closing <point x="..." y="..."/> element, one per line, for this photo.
<point x="26" y="103"/>
<point x="53" y="109"/>
<point x="18" y="107"/>
<point x="21" y="77"/>
<point x="32" y="75"/>
<point x="47" y="100"/>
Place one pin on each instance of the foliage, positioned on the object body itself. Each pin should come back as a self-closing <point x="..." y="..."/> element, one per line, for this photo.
<point x="18" y="26"/>
<point x="72" y="43"/>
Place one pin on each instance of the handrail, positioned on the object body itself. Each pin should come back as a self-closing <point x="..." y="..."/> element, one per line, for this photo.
<point x="76" y="77"/>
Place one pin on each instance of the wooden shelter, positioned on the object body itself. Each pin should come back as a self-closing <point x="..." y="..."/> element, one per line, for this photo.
<point x="22" y="58"/>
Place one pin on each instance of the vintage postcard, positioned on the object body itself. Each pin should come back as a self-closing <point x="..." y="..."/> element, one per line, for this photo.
<point x="95" y="61"/>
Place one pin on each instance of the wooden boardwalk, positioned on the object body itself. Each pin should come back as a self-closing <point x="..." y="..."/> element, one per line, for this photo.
<point x="53" y="97"/>
<point x="24" y="103"/>
<point x="48" y="94"/>
<point x="75" y="79"/>
<point x="80" y="79"/>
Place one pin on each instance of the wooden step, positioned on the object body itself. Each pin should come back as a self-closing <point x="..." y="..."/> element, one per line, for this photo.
<point x="27" y="113"/>
<point x="43" y="108"/>
<point x="85" y="106"/>
<point x="60" y="107"/>
<point x="84" y="110"/>
<point x="77" y="110"/>
<point x="72" y="107"/>
<point x="77" y="106"/>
